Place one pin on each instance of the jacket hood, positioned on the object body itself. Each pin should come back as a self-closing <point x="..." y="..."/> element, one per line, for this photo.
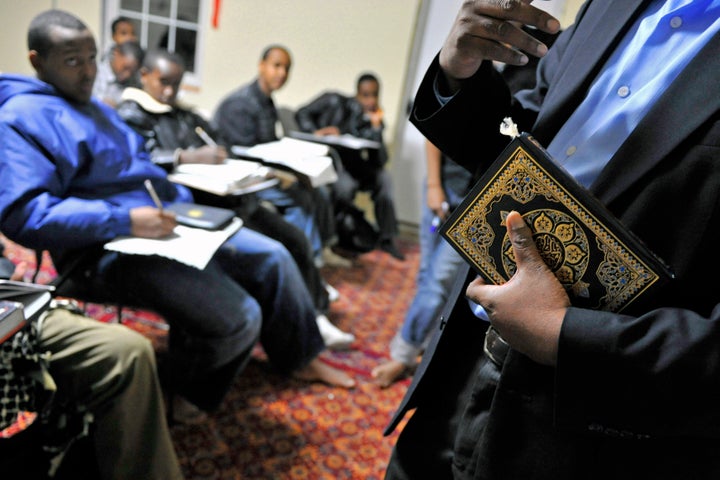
<point x="12" y="85"/>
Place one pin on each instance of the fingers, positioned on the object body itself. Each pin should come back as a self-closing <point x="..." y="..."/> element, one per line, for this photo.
<point x="492" y="30"/>
<point x="526" y="253"/>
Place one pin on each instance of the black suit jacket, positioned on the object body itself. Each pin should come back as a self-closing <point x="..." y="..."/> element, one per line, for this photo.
<point x="635" y="395"/>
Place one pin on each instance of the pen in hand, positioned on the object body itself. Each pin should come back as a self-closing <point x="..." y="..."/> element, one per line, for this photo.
<point x="153" y="194"/>
<point x="205" y="137"/>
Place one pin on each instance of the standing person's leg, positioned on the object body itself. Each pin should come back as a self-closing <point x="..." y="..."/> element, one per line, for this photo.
<point x="110" y="370"/>
<point x="422" y="316"/>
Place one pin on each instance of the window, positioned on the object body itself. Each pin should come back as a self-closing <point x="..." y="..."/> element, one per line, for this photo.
<point x="172" y="24"/>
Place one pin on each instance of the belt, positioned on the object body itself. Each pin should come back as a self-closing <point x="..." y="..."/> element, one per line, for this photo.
<point x="495" y="347"/>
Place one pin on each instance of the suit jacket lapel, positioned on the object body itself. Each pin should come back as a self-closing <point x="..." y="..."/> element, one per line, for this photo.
<point x="687" y="103"/>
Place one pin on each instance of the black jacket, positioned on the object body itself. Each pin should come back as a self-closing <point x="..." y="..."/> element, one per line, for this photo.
<point x="633" y="395"/>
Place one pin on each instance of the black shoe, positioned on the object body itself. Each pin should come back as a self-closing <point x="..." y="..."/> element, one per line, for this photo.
<point x="389" y="247"/>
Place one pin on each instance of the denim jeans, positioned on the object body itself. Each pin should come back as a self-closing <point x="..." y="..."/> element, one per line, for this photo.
<point x="251" y="290"/>
<point x="439" y="264"/>
<point x="296" y="204"/>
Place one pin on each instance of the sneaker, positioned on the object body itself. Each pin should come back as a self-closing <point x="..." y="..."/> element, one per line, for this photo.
<point x="333" y="294"/>
<point x="332" y="259"/>
<point x="389" y="247"/>
<point x="334" y="338"/>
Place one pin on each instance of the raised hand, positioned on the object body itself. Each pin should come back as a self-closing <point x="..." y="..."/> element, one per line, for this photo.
<point x="491" y="30"/>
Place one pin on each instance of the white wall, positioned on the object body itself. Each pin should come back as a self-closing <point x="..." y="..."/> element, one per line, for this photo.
<point x="331" y="42"/>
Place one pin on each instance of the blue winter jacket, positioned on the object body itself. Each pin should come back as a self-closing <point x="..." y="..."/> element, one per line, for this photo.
<point x="69" y="172"/>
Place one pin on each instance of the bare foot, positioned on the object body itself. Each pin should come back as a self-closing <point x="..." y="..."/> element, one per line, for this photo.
<point x="387" y="373"/>
<point x="319" y="371"/>
<point x="186" y="413"/>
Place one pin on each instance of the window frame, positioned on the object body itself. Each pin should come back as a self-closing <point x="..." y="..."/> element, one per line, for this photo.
<point x="192" y="79"/>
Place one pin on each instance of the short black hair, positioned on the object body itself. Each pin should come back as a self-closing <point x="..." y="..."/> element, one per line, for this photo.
<point x="119" y="20"/>
<point x="130" y="48"/>
<point x="38" y="38"/>
<point x="367" y="77"/>
<point x="152" y="57"/>
<point x="270" y="48"/>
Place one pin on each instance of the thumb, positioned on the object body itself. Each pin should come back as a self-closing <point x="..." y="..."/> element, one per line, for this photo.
<point x="524" y="248"/>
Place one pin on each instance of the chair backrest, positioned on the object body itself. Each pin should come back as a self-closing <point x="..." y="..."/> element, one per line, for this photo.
<point x="286" y="115"/>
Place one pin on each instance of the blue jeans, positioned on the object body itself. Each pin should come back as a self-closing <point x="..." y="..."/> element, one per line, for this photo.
<point x="251" y="290"/>
<point x="439" y="264"/>
<point x="296" y="205"/>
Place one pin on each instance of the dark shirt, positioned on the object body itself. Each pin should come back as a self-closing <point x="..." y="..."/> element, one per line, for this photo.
<point x="246" y="117"/>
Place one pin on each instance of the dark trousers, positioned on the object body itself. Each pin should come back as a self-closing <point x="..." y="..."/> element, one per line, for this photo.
<point x="379" y="184"/>
<point x="251" y="290"/>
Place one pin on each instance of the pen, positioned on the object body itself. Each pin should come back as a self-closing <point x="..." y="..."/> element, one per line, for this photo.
<point x="205" y="137"/>
<point x="153" y="194"/>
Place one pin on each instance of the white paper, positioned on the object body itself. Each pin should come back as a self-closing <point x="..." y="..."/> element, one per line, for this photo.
<point x="345" y="140"/>
<point x="191" y="246"/>
<point x="305" y="158"/>
<point x="230" y="177"/>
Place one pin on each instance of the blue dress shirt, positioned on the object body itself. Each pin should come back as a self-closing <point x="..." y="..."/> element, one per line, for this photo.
<point x="651" y="55"/>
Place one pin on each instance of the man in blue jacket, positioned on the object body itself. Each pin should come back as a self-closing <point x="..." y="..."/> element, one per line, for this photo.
<point x="73" y="176"/>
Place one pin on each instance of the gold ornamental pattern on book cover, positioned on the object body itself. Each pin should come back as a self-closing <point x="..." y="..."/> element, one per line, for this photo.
<point x="597" y="269"/>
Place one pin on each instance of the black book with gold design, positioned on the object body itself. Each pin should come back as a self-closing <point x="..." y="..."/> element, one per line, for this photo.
<point x="601" y="264"/>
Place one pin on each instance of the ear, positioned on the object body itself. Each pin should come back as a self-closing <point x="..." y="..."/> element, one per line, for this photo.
<point x="35" y="60"/>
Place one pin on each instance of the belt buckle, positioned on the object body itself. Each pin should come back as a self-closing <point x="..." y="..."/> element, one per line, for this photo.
<point x="495" y="347"/>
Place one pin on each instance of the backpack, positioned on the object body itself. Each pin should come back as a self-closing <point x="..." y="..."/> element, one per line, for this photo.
<point x="354" y="232"/>
<point x="26" y="388"/>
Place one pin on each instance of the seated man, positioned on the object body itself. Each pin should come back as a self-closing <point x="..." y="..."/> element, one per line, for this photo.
<point x="75" y="174"/>
<point x="169" y="131"/>
<point x="248" y="117"/>
<point x="108" y="370"/>
<point x="117" y="71"/>
<point x="361" y="116"/>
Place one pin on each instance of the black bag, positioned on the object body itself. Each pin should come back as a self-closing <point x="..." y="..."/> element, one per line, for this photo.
<point x="354" y="231"/>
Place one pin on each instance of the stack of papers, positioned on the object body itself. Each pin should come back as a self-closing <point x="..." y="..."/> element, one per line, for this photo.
<point x="232" y="177"/>
<point x="345" y="140"/>
<point x="307" y="160"/>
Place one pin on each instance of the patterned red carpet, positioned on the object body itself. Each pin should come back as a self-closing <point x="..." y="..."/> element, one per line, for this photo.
<point x="271" y="427"/>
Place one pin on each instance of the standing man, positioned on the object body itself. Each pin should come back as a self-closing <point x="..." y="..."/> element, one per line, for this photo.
<point x="333" y="113"/>
<point x="555" y="391"/>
